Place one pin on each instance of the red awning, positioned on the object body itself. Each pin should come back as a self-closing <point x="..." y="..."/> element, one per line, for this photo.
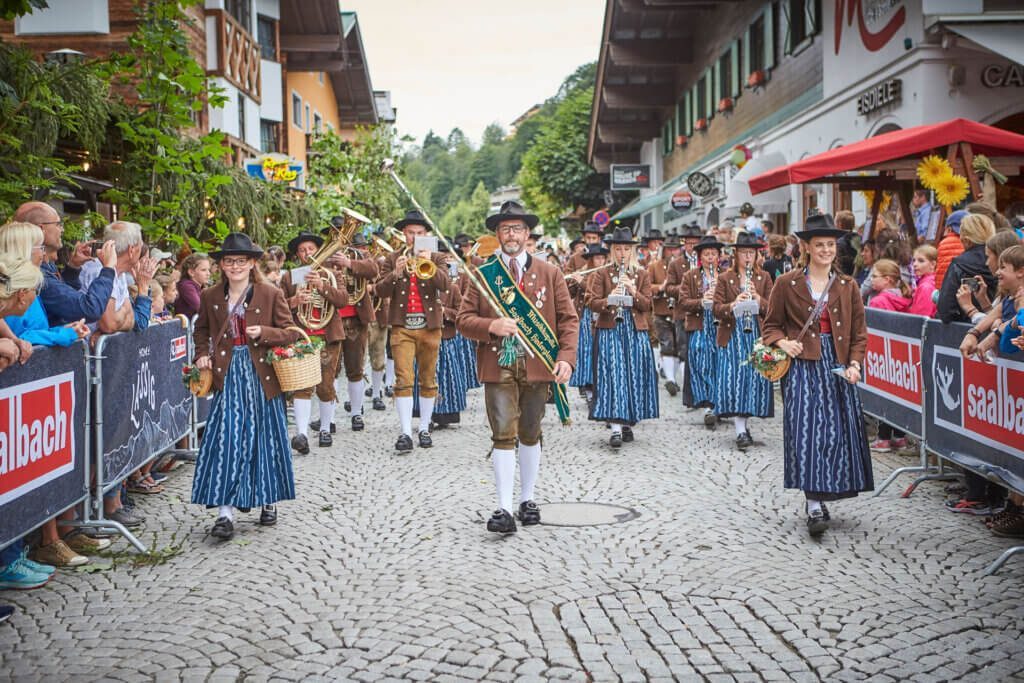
<point x="900" y="144"/>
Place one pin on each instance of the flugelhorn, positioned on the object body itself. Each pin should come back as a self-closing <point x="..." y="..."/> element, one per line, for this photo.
<point x="316" y="312"/>
<point x="421" y="267"/>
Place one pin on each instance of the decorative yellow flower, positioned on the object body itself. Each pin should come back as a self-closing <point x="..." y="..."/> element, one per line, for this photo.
<point x="869" y="197"/>
<point x="932" y="169"/>
<point x="951" y="189"/>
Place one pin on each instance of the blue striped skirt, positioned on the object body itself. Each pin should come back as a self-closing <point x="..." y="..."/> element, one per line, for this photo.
<point x="702" y="365"/>
<point x="468" y="349"/>
<point x="452" y="376"/>
<point x="244" y="458"/>
<point x="583" y="374"/>
<point x="739" y="389"/>
<point x="826" y="447"/>
<point x="625" y="376"/>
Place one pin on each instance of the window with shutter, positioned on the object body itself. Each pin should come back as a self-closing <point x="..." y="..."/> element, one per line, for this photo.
<point x="735" y="88"/>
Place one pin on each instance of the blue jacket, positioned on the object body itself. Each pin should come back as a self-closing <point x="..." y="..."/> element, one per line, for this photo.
<point x="34" y="328"/>
<point x="65" y="304"/>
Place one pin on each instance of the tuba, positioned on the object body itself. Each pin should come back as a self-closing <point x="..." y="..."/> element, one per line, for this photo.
<point x="317" y="311"/>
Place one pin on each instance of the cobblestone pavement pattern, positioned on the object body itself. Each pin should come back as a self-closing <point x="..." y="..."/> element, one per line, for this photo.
<point x="382" y="569"/>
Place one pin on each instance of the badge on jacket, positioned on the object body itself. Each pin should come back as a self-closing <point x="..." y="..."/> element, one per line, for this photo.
<point x="542" y="295"/>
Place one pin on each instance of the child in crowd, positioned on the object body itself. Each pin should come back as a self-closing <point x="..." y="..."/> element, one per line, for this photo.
<point x="890" y="293"/>
<point x="923" y="301"/>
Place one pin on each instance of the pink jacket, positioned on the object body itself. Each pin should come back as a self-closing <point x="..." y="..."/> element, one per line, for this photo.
<point x="890" y="300"/>
<point x="922" y="303"/>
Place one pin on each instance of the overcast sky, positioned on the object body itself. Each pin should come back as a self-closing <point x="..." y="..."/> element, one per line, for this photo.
<point x="467" y="63"/>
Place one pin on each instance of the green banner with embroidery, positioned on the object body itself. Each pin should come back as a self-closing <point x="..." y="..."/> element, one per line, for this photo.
<point x="535" y="330"/>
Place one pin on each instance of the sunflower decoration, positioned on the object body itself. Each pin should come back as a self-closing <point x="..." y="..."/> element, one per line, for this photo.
<point x="932" y="169"/>
<point x="869" y="197"/>
<point x="951" y="189"/>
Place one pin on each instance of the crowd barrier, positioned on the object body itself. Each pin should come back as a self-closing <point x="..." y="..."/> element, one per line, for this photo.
<point x="962" y="410"/>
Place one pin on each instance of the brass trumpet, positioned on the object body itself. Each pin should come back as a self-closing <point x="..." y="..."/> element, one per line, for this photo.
<point x="423" y="268"/>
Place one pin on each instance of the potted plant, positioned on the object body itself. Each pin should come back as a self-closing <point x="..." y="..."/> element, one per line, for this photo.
<point x="725" y="105"/>
<point x="700" y="124"/>
<point x="681" y="141"/>
<point x="756" y="78"/>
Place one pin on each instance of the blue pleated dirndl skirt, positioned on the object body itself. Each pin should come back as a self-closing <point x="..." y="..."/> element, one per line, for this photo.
<point x="825" y="444"/>
<point x="467" y="348"/>
<point x="702" y="365"/>
<point x="452" y="377"/>
<point x="739" y="389"/>
<point x="583" y="375"/>
<point x="625" y="376"/>
<point x="244" y="458"/>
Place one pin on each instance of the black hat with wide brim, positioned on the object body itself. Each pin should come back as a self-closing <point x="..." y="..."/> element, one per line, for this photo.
<point x="747" y="240"/>
<point x="620" y="235"/>
<point x="304" y="236"/>
<point x="414" y="217"/>
<point x="819" y="225"/>
<point x="511" y="211"/>
<point x="595" y="250"/>
<point x="691" y="231"/>
<point x="653" y="235"/>
<point x="707" y="242"/>
<point x="237" y="244"/>
<point x="592" y="227"/>
<point x="672" y="241"/>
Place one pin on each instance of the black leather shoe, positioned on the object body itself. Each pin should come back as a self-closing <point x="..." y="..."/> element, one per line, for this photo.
<point x="710" y="420"/>
<point x="378" y="403"/>
<point x="404" y="443"/>
<point x="223" y="529"/>
<point x="315" y="426"/>
<point x="425" y="440"/>
<point x="389" y="392"/>
<point x="369" y="392"/>
<point x="672" y="388"/>
<point x="824" y="511"/>
<point x="816" y="523"/>
<point x="348" y="406"/>
<point x="744" y="441"/>
<point x="357" y="423"/>
<point x="627" y="435"/>
<point x="325" y="440"/>
<point x="301" y="444"/>
<point x="529" y="513"/>
<point x="268" y="516"/>
<point x="501" y="522"/>
<point x="616" y="440"/>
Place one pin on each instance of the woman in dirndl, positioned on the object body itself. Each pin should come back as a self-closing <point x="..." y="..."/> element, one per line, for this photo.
<point x="244" y="458"/>
<point x="697" y="301"/>
<point x="625" y="376"/>
<point x="452" y="373"/>
<point x="816" y="315"/>
<point x="740" y="391"/>
<point x="596" y="256"/>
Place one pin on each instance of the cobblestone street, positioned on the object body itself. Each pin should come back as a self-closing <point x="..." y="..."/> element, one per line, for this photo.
<point x="382" y="569"/>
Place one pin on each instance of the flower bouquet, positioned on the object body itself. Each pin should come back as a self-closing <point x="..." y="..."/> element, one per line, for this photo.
<point x="770" y="362"/>
<point x="297" y="365"/>
<point x="197" y="381"/>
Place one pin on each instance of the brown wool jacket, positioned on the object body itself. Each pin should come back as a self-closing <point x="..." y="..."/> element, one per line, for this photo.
<point x="791" y="303"/>
<point x="600" y="285"/>
<point x="542" y="283"/>
<point x="690" y="300"/>
<point x="658" y="272"/>
<point x="266" y="308"/>
<point x="365" y="268"/>
<point x="394" y="285"/>
<point x="677" y="269"/>
<point x="726" y="290"/>
<point x="337" y="295"/>
<point x="451" y="301"/>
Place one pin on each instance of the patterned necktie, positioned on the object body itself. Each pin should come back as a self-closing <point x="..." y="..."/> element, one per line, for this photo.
<point x="513" y="267"/>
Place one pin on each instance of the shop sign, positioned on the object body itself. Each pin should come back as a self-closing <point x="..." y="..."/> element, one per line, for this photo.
<point x="700" y="184"/>
<point x="682" y="201"/>
<point x="1003" y="76"/>
<point x="881" y="95"/>
<point x="275" y="168"/>
<point x="631" y="176"/>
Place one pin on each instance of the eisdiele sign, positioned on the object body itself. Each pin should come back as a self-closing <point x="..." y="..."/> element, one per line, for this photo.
<point x="37" y="441"/>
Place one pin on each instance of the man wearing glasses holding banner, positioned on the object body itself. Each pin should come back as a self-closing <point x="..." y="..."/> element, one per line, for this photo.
<point x="524" y="351"/>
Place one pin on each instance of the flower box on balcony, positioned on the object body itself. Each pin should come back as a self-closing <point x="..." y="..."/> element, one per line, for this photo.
<point x="756" y="79"/>
<point x="700" y="124"/>
<point x="681" y="141"/>
<point x="725" y="105"/>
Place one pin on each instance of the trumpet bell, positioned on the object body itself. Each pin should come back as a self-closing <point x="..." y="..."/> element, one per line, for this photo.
<point x="423" y="268"/>
<point x="486" y="245"/>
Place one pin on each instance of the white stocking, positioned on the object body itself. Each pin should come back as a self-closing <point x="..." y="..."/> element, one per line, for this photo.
<point x="378" y="382"/>
<point x="504" y="476"/>
<point x="326" y="415"/>
<point x="529" y="466"/>
<point x="404" y="405"/>
<point x="302" y="407"/>
<point x="426" y="411"/>
<point x="355" y="397"/>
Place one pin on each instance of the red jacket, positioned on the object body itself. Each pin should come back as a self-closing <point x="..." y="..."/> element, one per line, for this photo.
<point x="949" y="248"/>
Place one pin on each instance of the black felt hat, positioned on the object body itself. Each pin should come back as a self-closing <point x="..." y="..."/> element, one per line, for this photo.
<point x="511" y="210"/>
<point x="691" y="231"/>
<point x="819" y="225"/>
<point x="707" y="242"/>
<point x="653" y="234"/>
<point x="414" y="217"/>
<point x="620" y="235"/>
<point x="304" y="236"/>
<point x="672" y="241"/>
<point x="593" y="227"/>
<point x="747" y="240"/>
<point x="237" y="244"/>
<point x="595" y="250"/>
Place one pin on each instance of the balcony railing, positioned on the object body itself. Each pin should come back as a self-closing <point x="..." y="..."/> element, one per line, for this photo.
<point x="238" y="54"/>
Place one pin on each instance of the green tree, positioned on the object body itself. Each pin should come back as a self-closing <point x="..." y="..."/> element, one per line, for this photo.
<point x="468" y="215"/>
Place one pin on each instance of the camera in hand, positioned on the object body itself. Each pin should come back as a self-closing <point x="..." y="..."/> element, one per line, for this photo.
<point x="970" y="283"/>
<point x="94" y="248"/>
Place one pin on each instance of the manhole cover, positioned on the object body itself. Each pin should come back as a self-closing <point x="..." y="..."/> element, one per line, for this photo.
<point x="585" y="514"/>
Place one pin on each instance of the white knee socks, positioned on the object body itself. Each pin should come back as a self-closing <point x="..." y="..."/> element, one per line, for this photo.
<point x="404" y="405"/>
<point x="426" y="411"/>
<point x="326" y="415"/>
<point x="355" y="397"/>
<point x="529" y="466"/>
<point x="504" y="476"/>
<point x="378" y="383"/>
<point x="302" y="407"/>
<point x="741" y="425"/>
<point x="389" y="372"/>
<point x="226" y="511"/>
<point x="616" y="428"/>
<point x="669" y="364"/>
<point x="681" y="369"/>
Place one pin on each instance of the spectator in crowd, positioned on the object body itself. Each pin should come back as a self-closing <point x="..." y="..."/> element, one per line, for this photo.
<point x="923" y="302"/>
<point x="271" y="270"/>
<point x="63" y="299"/>
<point x="847" y="245"/>
<point x="767" y="227"/>
<point x="975" y="229"/>
<point x="865" y="261"/>
<point x="974" y="300"/>
<point x="158" y="311"/>
<point x="949" y="247"/>
<point x="891" y="293"/>
<point x="778" y="261"/>
<point x="751" y="223"/>
<point x="1017" y="224"/>
<point x="132" y="267"/>
<point x="195" y="275"/>
<point x="277" y="254"/>
<point x="922" y="209"/>
<point x="169" y="287"/>
<point x="981" y="208"/>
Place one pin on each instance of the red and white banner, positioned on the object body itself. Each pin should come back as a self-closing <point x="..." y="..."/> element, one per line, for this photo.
<point x="37" y="441"/>
<point x="892" y="368"/>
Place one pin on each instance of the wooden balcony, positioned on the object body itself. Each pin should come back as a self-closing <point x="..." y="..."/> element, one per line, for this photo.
<point x="238" y="54"/>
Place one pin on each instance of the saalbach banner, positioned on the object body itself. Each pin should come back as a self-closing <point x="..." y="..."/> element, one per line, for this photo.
<point x="145" y="407"/>
<point x="42" y="442"/>
<point x="975" y="410"/>
<point x="891" y="386"/>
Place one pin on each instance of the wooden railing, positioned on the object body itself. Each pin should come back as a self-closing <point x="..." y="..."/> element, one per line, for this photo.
<point x="238" y="55"/>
